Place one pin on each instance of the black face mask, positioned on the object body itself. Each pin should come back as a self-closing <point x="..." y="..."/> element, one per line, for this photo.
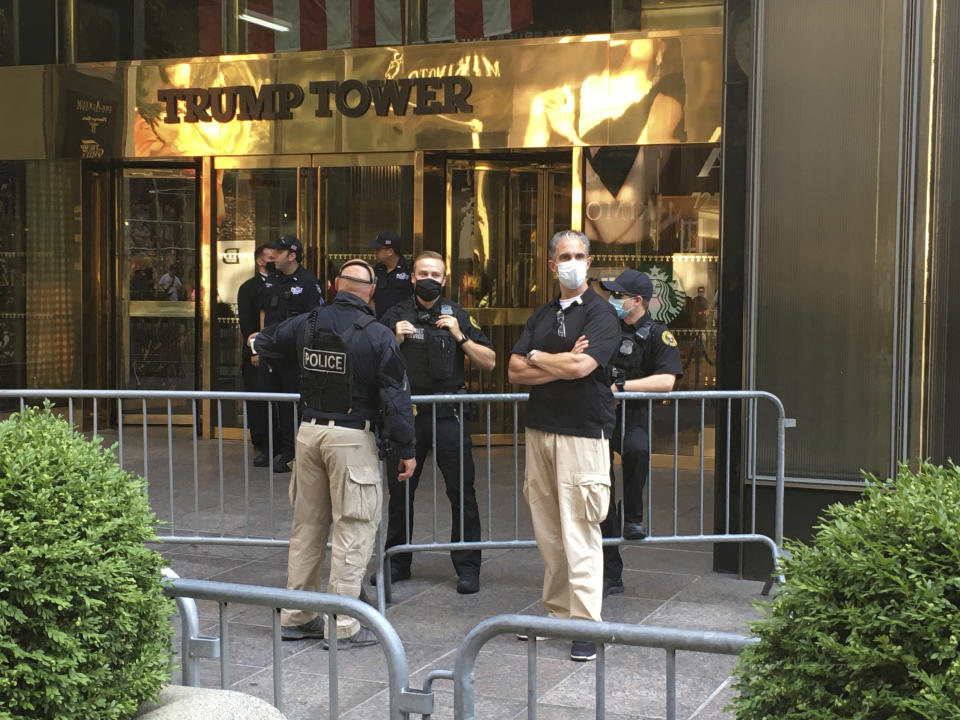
<point x="271" y="267"/>
<point x="428" y="289"/>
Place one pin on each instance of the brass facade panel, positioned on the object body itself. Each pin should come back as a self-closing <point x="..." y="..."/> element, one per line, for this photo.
<point x="616" y="89"/>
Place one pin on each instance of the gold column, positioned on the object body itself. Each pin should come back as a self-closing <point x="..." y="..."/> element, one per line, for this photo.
<point x="66" y="31"/>
<point x="417" y="203"/>
<point x="230" y="35"/>
<point x="206" y="259"/>
<point x="576" y="188"/>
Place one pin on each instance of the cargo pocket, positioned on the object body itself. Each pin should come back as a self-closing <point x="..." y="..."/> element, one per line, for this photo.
<point x="292" y="489"/>
<point x="593" y="496"/>
<point x="361" y="494"/>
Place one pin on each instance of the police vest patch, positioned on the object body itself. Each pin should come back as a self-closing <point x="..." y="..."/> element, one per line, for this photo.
<point x="473" y="321"/>
<point x="668" y="338"/>
<point x="326" y="361"/>
<point x="296" y="290"/>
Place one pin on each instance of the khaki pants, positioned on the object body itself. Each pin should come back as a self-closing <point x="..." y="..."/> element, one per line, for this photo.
<point x="568" y="488"/>
<point x="335" y="482"/>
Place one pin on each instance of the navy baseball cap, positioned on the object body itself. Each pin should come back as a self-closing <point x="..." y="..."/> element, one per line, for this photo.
<point x="630" y="282"/>
<point x="289" y="243"/>
<point x="386" y="239"/>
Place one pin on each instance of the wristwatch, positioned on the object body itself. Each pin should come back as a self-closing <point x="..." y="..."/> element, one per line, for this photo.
<point x="619" y="384"/>
<point x="530" y="355"/>
<point x="462" y="340"/>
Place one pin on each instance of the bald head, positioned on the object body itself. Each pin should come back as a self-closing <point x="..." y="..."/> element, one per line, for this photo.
<point x="357" y="278"/>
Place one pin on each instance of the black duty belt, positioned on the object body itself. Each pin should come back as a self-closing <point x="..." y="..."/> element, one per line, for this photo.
<point x="352" y="424"/>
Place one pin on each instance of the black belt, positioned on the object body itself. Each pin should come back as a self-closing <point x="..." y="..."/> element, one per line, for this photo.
<point x="352" y="424"/>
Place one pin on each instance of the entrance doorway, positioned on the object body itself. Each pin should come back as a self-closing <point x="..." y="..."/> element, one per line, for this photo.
<point x="335" y="205"/>
<point x="156" y="245"/>
<point x="500" y="214"/>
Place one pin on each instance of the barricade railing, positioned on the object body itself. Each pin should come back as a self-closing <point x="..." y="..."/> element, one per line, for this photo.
<point x="723" y="405"/>
<point x="403" y="699"/>
<point x="231" y="502"/>
<point x="670" y="640"/>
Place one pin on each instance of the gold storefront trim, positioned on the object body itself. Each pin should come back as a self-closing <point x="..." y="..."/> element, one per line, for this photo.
<point x="620" y="89"/>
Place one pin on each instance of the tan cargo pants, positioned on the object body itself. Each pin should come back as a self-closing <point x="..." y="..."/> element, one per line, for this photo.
<point x="567" y="486"/>
<point x="335" y="483"/>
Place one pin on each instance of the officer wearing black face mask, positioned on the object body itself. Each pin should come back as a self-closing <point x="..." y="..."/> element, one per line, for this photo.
<point x="435" y="335"/>
<point x="647" y="360"/>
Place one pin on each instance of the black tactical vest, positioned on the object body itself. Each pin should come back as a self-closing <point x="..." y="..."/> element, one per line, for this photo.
<point x="326" y="367"/>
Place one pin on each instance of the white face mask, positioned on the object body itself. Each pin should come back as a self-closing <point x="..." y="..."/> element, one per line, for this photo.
<point x="572" y="273"/>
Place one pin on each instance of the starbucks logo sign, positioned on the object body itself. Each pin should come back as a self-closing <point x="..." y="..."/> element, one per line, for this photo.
<point x="668" y="297"/>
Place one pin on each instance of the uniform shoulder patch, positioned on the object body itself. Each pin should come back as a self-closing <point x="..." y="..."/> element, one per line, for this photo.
<point x="473" y="321"/>
<point x="668" y="338"/>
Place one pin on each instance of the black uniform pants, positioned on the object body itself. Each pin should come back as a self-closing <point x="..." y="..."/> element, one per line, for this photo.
<point x="256" y="411"/>
<point x="635" y="458"/>
<point x="281" y="378"/>
<point x="449" y="434"/>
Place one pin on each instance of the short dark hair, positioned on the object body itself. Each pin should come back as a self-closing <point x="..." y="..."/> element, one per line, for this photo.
<point x="430" y="255"/>
<point x="259" y="251"/>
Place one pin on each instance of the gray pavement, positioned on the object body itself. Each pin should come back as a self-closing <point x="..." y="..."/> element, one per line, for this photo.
<point x="666" y="585"/>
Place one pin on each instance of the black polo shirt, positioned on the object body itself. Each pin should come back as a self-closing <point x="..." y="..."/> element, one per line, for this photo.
<point x="421" y="352"/>
<point x="393" y="286"/>
<point x="583" y="407"/>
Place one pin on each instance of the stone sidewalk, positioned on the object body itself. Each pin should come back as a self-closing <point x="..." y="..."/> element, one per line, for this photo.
<point x="665" y="586"/>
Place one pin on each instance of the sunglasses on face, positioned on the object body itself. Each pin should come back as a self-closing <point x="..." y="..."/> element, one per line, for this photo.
<point x="621" y="296"/>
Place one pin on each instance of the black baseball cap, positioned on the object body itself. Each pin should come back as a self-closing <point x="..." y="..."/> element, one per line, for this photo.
<point x="630" y="282"/>
<point x="387" y="239"/>
<point x="289" y="243"/>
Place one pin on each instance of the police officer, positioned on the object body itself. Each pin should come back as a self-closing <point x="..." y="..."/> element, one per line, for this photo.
<point x="350" y="368"/>
<point x="393" y="273"/>
<point x="249" y="303"/>
<point x="290" y="290"/>
<point x="435" y="335"/>
<point x="647" y="361"/>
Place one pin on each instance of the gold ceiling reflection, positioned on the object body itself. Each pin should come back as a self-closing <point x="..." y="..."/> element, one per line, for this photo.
<point x="621" y="89"/>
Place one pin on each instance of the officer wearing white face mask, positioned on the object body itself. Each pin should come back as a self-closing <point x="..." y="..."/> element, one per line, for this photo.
<point x="563" y="355"/>
<point x="647" y="360"/>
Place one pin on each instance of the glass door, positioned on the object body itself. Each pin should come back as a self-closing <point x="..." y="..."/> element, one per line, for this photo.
<point x="257" y="199"/>
<point x="356" y="202"/>
<point x="499" y="219"/>
<point x="157" y="241"/>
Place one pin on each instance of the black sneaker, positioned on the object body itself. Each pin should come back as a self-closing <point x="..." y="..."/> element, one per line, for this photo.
<point x="364" y="637"/>
<point x="634" y="531"/>
<point x="261" y="460"/>
<point x="396" y="575"/>
<point x="312" y="629"/>
<point x="583" y="650"/>
<point x="612" y="586"/>
<point x="281" y="464"/>
<point x="468" y="584"/>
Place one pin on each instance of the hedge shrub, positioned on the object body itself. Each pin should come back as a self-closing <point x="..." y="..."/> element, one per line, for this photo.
<point x="866" y="626"/>
<point x="84" y="625"/>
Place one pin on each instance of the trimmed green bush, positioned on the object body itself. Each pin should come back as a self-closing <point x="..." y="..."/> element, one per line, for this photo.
<point x="84" y="625"/>
<point x="866" y="626"/>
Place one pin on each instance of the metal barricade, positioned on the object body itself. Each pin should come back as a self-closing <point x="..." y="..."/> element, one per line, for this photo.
<point x="506" y="497"/>
<point x="669" y="639"/>
<point x="404" y="700"/>
<point x="201" y="489"/>
<point x="232" y="503"/>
